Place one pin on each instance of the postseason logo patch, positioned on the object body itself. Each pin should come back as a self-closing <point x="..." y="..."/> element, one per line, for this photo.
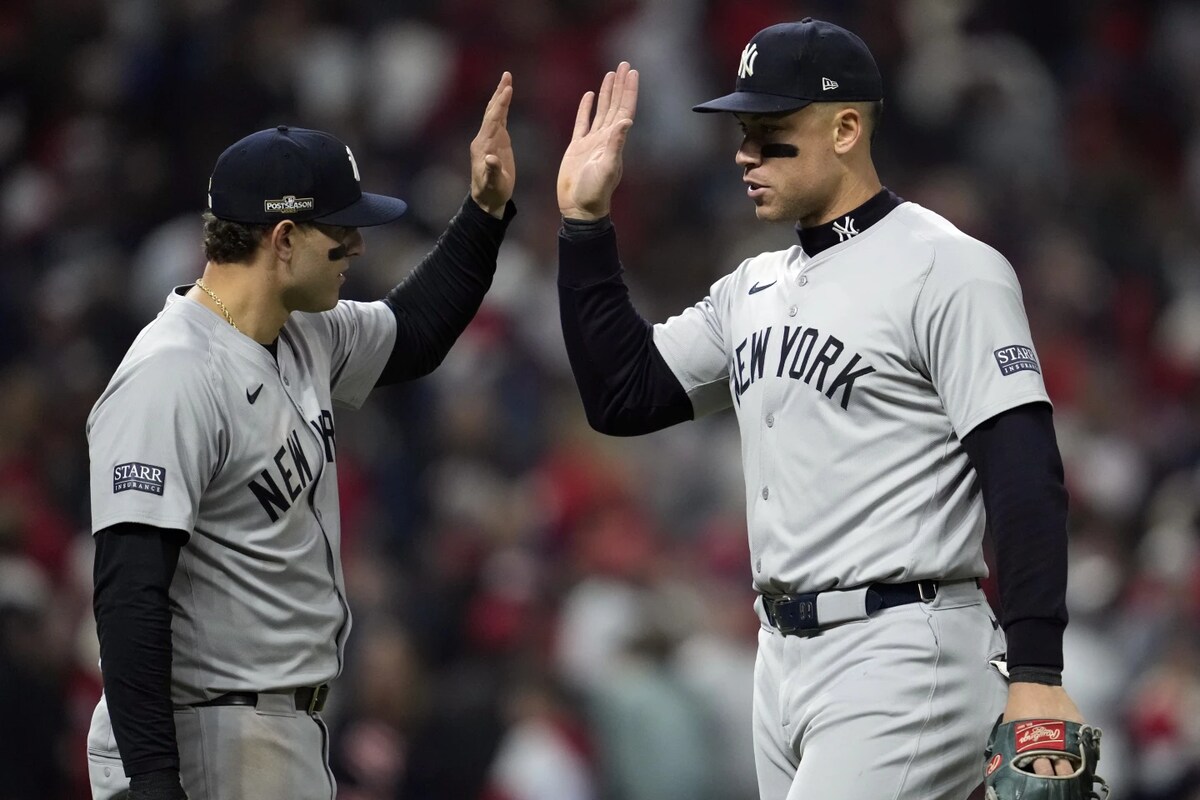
<point x="139" y="478"/>
<point x="288" y="204"/>
<point x="1016" y="358"/>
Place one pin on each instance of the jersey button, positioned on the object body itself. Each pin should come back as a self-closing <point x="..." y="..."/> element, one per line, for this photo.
<point x="802" y="280"/>
<point x="766" y="492"/>
<point x="758" y="565"/>
<point x="285" y="382"/>
<point x="770" y="420"/>
<point x="792" y="311"/>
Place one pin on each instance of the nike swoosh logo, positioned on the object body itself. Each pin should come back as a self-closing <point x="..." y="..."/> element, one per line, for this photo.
<point x="254" y="396"/>
<point x="756" y="288"/>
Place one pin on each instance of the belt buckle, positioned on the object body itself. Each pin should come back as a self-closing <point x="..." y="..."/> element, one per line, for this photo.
<point x="771" y="604"/>
<point x="318" y="697"/>
<point x="806" y="612"/>
<point x="933" y="589"/>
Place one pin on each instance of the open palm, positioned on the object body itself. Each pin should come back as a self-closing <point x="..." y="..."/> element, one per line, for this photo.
<point x="493" y="168"/>
<point x="591" y="166"/>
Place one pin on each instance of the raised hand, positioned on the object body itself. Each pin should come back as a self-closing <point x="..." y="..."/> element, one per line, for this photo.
<point x="591" y="166"/>
<point x="493" y="168"/>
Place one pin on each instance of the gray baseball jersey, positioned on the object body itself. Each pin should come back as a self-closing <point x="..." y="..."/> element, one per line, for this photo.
<point x="201" y="430"/>
<point x="855" y="374"/>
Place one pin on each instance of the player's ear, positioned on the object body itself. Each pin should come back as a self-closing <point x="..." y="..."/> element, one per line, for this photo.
<point x="281" y="240"/>
<point x="848" y="128"/>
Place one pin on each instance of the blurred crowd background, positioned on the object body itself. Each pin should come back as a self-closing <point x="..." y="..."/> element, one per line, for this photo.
<point x="543" y="613"/>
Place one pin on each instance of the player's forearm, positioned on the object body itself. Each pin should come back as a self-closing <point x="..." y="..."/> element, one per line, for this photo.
<point x="626" y="387"/>
<point x="440" y="297"/>
<point x="1021" y="473"/>
<point x="133" y="570"/>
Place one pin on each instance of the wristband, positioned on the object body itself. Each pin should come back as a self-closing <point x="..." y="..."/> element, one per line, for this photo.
<point x="1047" y="676"/>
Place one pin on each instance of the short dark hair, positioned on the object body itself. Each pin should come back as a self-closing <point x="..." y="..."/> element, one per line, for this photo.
<point x="228" y="242"/>
<point x="874" y="116"/>
<point x="870" y="111"/>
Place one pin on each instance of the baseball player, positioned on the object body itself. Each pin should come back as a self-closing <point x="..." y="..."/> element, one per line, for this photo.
<point x="219" y="597"/>
<point x="888" y="394"/>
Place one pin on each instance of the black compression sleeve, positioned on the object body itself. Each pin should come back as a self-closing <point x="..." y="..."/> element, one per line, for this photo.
<point x="1021" y="472"/>
<point x="438" y="299"/>
<point x="626" y="386"/>
<point x="133" y="569"/>
<point x="161" y="784"/>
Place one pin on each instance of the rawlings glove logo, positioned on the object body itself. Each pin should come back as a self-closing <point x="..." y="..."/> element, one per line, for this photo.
<point x="1042" y="734"/>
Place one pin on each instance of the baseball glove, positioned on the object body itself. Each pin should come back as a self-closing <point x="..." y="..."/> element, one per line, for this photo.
<point x="1013" y="746"/>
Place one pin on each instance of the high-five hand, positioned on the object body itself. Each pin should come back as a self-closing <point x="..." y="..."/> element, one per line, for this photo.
<point x="591" y="166"/>
<point x="493" y="168"/>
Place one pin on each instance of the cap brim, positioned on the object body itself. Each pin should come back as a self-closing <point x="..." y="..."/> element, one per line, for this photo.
<point x="752" y="103"/>
<point x="368" y="210"/>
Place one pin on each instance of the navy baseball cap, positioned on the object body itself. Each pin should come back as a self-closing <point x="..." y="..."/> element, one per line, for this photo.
<point x="297" y="174"/>
<point x="790" y="65"/>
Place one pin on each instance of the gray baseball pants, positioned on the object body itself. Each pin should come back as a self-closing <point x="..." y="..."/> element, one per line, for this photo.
<point x="230" y="753"/>
<point x="897" y="706"/>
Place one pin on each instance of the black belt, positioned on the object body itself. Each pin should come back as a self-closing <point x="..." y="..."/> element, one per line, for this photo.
<point x="309" y="699"/>
<point x="797" y="613"/>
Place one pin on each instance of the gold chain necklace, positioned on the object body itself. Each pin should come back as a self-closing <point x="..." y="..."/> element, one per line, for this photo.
<point x="220" y="305"/>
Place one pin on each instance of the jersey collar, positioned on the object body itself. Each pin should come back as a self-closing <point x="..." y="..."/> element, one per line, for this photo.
<point x="847" y="226"/>
<point x="179" y="292"/>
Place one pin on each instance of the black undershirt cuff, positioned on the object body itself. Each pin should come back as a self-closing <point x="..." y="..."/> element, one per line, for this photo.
<point x="1035" y="643"/>
<point x="1047" y="676"/>
<point x="587" y="253"/>
<point x="582" y="229"/>
<point x="475" y="213"/>
<point x="160" y="784"/>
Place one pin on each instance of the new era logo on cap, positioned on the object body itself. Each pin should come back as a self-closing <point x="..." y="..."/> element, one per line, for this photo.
<point x="297" y="174"/>
<point x="790" y="65"/>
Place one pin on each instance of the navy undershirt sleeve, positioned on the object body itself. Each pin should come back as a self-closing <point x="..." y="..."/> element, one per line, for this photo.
<point x="132" y="574"/>
<point x="438" y="299"/>
<point x="1016" y="456"/>
<point x="625" y="384"/>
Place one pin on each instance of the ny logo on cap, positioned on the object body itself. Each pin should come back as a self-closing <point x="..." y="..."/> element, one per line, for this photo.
<point x="746" y="68"/>
<point x="827" y="84"/>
